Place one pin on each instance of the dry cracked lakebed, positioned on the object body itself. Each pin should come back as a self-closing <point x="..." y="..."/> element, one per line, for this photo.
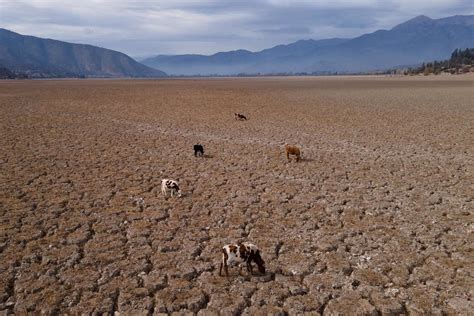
<point x="377" y="218"/>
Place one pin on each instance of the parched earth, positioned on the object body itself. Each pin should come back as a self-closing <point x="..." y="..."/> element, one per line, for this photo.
<point x="376" y="220"/>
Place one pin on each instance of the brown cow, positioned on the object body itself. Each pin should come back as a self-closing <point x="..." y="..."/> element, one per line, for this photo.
<point x="292" y="150"/>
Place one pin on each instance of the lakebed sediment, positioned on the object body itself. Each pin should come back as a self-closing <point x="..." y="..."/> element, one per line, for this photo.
<point x="376" y="218"/>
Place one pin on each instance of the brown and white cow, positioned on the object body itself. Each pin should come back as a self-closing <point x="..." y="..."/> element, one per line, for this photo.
<point x="237" y="254"/>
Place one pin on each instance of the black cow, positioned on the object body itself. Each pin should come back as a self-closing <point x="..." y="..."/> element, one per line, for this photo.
<point x="240" y="117"/>
<point x="198" y="150"/>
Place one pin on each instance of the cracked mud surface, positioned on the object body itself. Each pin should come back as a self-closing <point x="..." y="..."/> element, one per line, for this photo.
<point x="376" y="219"/>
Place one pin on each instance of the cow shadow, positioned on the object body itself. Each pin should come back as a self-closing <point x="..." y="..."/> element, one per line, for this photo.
<point x="306" y="159"/>
<point x="302" y="160"/>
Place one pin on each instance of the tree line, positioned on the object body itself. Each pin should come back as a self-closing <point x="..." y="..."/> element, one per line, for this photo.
<point x="461" y="61"/>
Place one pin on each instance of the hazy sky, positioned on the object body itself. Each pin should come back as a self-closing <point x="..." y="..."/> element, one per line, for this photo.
<point x="146" y="27"/>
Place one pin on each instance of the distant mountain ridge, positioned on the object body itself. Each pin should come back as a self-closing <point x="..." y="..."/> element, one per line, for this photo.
<point x="38" y="57"/>
<point x="408" y="43"/>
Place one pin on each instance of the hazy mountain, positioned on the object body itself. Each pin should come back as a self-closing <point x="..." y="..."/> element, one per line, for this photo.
<point x="234" y="62"/>
<point x="50" y="58"/>
<point x="415" y="41"/>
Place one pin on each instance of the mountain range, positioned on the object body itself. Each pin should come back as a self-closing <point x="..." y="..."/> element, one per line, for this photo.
<point x="413" y="42"/>
<point x="38" y="57"/>
<point x="418" y="40"/>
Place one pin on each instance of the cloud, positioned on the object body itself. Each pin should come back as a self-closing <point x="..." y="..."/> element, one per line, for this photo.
<point x="334" y="4"/>
<point x="297" y="30"/>
<point x="146" y="27"/>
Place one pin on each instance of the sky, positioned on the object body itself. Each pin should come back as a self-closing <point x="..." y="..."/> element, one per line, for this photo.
<point x="145" y="28"/>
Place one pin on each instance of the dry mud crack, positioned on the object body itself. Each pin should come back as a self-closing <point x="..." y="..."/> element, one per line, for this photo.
<point x="375" y="220"/>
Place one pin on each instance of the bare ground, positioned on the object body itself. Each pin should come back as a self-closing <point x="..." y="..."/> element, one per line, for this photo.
<point x="376" y="219"/>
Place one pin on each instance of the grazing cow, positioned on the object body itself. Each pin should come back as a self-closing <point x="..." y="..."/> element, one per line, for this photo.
<point x="233" y="254"/>
<point x="240" y="117"/>
<point x="170" y="185"/>
<point x="198" y="150"/>
<point x="292" y="150"/>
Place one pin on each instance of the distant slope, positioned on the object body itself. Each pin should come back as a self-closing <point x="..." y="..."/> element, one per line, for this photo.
<point x="412" y="42"/>
<point x="238" y="61"/>
<point x="50" y="58"/>
<point x="409" y="43"/>
<point x="6" y="73"/>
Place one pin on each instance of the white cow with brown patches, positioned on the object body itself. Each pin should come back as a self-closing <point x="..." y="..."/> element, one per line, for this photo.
<point x="237" y="254"/>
